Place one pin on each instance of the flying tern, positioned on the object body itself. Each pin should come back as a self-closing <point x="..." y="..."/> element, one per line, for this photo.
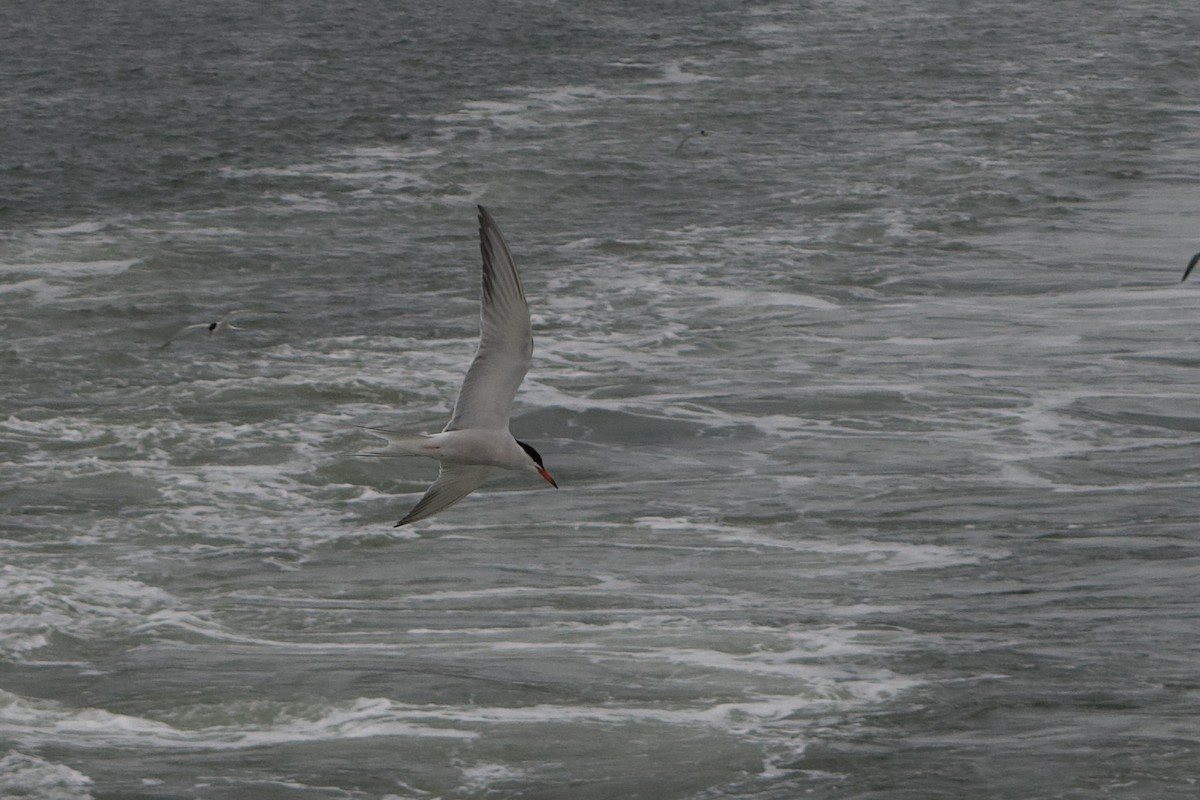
<point x="219" y="326"/>
<point x="682" y="142"/>
<point x="476" y="441"/>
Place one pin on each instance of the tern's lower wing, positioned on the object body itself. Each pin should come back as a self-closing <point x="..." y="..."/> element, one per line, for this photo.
<point x="186" y="329"/>
<point x="454" y="482"/>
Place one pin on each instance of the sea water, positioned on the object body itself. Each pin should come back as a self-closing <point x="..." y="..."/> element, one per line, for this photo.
<point x="862" y="360"/>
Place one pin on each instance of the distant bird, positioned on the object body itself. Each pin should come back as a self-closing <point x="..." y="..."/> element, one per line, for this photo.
<point x="683" y="141"/>
<point x="477" y="441"/>
<point x="1191" y="264"/>
<point x="221" y="325"/>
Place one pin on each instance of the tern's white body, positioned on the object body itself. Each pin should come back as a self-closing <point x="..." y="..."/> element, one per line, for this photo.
<point x="476" y="441"/>
<point x="484" y="447"/>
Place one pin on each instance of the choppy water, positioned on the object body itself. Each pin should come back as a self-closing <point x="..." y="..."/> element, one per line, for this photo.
<point x="874" y="406"/>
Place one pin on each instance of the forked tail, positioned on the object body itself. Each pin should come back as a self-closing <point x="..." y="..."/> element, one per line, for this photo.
<point x="399" y="444"/>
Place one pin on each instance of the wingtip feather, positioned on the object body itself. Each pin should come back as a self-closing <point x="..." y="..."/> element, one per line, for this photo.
<point x="1190" y="266"/>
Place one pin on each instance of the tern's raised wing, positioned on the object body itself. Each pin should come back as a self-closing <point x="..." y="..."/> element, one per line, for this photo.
<point x="454" y="482"/>
<point x="505" y="339"/>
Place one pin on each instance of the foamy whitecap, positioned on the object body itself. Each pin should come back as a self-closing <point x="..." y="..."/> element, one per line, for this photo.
<point x="77" y="603"/>
<point x="745" y="299"/>
<point x="484" y="776"/>
<point x="368" y="169"/>
<point x="856" y="556"/>
<point x="35" y="723"/>
<point x="682" y="73"/>
<point x="26" y="776"/>
<point x="71" y="230"/>
<point x="741" y="718"/>
<point x="38" y="289"/>
<point x="71" y="269"/>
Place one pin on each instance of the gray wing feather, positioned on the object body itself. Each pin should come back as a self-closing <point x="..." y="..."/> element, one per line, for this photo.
<point x="454" y="482"/>
<point x="505" y="339"/>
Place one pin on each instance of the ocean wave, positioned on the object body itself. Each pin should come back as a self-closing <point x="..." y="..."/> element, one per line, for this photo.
<point x="232" y="726"/>
<point x="23" y="775"/>
<point x="71" y="269"/>
<point x="42" y="607"/>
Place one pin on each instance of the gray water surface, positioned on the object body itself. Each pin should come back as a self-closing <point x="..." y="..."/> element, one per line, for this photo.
<point x="873" y="407"/>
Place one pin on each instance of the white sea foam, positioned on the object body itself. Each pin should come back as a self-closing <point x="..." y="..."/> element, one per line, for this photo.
<point x="77" y="602"/>
<point x="857" y="556"/>
<point x="71" y="230"/>
<point x="530" y="109"/>
<point x="683" y="73"/>
<point x="752" y="300"/>
<point x="25" y="776"/>
<point x="743" y="718"/>
<point x="368" y="169"/>
<point x="37" y="722"/>
<point x="39" y="289"/>
<point x="485" y="777"/>
<point x="52" y="281"/>
<point x="71" y="269"/>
